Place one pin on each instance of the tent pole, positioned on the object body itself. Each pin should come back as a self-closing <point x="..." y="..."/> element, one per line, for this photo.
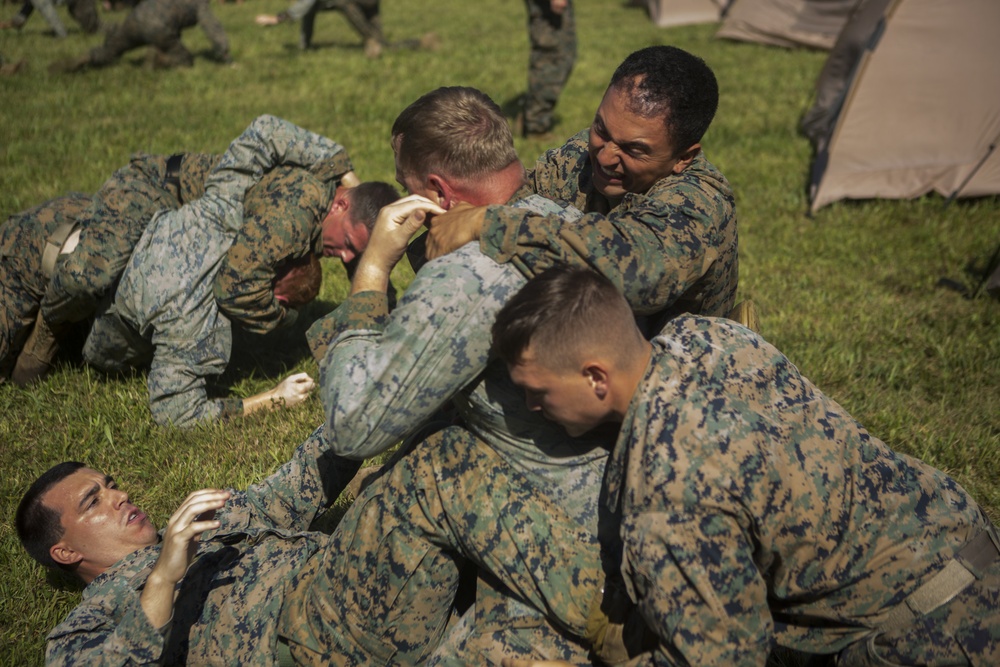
<point x="989" y="152"/>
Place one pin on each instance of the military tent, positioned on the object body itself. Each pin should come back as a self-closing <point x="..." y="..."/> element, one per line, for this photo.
<point x="909" y="103"/>
<point x="788" y="23"/>
<point x="666" y="13"/>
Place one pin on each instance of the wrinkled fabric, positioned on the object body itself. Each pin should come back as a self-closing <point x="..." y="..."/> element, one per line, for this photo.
<point x="755" y="510"/>
<point x="164" y="311"/>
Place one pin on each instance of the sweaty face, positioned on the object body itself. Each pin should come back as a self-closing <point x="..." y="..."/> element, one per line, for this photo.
<point x="97" y="518"/>
<point x="629" y="153"/>
<point x="341" y="236"/>
<point x="566" y="398"/>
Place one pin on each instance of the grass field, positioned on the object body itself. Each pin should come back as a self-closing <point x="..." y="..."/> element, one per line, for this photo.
<point x="849" y="295"/>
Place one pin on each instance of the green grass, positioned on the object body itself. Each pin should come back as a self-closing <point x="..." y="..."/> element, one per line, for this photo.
<point x="849" y="295"/>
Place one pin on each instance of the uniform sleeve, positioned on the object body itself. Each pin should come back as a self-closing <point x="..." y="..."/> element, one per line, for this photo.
<point x="381" y="376"/>
<point x="297" y="493"/>
<point x="90" y="637"/>
<point x="652" y="250"/>
<point x="266" y="143"/>
<point x="213" y="29"/>
<point x="278" y="225"/>
<point x="696" y="584"/>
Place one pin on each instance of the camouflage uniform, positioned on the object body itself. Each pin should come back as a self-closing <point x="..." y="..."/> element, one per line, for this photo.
<point x="283" y="221"/>
<point x="112" y="225"/>
<point x="83" y="11"/>
<point x="363" y="15"/>
<point x="670" y="250"/>
<point x="158" y="23"/>
<point x="229" y="601"/>
<point x="406" y="374"/>
<point x="381" y="377"/>
<point x="553" y="52"/>
<point x="421" y="508"/>
<point x="756" y="511"/>
<point x="164" y="312"/>
<point x="23" y="238"/>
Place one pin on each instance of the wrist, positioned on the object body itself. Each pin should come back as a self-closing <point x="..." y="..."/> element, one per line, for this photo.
<point x="370" y="276"/>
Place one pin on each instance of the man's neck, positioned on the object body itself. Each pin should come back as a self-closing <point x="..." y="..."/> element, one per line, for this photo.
<point x="497" y="188"/>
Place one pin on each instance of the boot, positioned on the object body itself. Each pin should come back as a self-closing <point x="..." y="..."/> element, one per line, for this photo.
<point x="35" y="360"/>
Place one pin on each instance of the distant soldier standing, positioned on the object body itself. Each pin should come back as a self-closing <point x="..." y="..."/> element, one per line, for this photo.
<point x="552" y="32"/>
<point x="158" y="23"/>
<point x="83" y="11"/>
<point x="363" y="15"/>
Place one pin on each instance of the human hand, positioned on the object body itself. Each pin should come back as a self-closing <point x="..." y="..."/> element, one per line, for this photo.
<point x="180" y="541"/>
<point x="267" y="20"/>
<point x="520" y="662"/>
<point x="350" y="180"/>
<point x="558" y="6"/>
<point x="395" y="226"/>
<point x="293" y="390"/>
<point x="462" y="224"/>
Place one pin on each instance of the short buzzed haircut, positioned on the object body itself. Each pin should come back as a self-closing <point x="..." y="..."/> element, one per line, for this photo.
<point x="367" y="199"/>
<point x="562" y="313"/>
<point x="667" y="82"/>
<point x="457" y="132"/>
<point x="38" y="526"/>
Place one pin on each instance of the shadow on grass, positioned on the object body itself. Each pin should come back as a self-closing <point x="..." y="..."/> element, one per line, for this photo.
<point x="272" y="355"/>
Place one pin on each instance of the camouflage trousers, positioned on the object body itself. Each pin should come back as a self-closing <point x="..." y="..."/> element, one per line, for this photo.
<point x="109" y="231"/>
<point x="383" y="590"/>
<point x="553" y="52"/>
<point x="963" y="631"/>
<point x="363" y="15"/>
<point x="22" y="281"/>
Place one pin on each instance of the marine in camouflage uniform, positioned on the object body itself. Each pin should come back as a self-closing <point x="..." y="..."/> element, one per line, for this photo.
<point x="232" y="605"/>
<point x="164" y="312"/>
<point x="23" y="240"/>
<point x="382" y="376"/>
<point x="113" y="224"/>
<point x="228" y="605"/>
<point x="158" y="23"/>
<point x="283" y="221"/>
<point x="552" y="35"/>
<point x="756" y="511"/>
<point x="672" y="249"/>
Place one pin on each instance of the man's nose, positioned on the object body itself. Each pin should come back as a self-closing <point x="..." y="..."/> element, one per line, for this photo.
<point x="118" y="497"/>
<point x="608" y="154"/>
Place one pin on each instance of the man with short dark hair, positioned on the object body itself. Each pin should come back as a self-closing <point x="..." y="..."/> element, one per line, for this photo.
<point x="647" y="191"/>
<point x="755" y="511"/>
<point x="208" y="590"/>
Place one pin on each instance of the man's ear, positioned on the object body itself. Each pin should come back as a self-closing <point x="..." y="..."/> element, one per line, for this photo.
<point x="597" y="376"/>
<point x="686" y="158"/>
<point x="444" y="194"/>
<point x="64" y="555"/>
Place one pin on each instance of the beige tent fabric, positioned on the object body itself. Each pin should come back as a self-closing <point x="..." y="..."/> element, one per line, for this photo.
<point x="666" y="13"/>
<point x="788" y="23"/>
<point x="923" y="111"/>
